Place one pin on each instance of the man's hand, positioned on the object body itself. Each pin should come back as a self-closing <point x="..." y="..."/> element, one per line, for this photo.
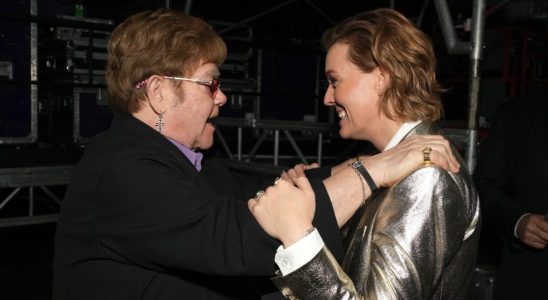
<point x="533" y="231"/>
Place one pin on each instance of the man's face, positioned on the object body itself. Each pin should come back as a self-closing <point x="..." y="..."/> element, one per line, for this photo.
<point x="191" y="106"/>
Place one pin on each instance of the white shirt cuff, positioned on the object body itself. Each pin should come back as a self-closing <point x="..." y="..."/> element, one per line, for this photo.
<point x="516" y="226"/>
<point x="300" y="253"/>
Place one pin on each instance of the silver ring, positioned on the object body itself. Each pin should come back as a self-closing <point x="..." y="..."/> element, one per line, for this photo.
<point x="277" y="180"/>
<point x="258" y="195"/>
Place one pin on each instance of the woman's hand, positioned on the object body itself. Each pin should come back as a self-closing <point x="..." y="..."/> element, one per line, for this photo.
<point x="298" y="171"/>
<point x="286" y="209"/>
<point x="345" y="190"/>
<point x="389" y="166"/>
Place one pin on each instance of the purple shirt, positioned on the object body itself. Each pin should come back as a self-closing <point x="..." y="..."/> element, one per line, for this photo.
<point x="195" y="158"/>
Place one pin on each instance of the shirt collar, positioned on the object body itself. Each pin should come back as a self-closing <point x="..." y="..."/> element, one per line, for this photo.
<point x="404" y="129"/>
<point x="194" y="157"/>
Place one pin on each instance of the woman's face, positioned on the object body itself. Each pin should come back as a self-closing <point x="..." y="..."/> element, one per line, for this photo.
<point x="355" y="95"/>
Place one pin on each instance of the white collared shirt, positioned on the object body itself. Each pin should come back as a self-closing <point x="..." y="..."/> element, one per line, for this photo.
<point x="301" y="252"/>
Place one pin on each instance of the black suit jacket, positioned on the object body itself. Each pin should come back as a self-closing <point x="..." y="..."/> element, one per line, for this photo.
<point x="512" y="177"/>
<point x="139" y="222"/>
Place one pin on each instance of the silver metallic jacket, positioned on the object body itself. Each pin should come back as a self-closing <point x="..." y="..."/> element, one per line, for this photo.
<point x="415" y="240"/>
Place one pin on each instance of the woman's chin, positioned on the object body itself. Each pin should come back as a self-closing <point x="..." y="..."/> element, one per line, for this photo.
<point x="345" y="134"/>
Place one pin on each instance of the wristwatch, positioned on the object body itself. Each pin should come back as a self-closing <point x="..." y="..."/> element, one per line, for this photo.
<point x="358" y="166"/>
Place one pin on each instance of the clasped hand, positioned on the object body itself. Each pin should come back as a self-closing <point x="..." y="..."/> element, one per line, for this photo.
<point x="286" y="210"/>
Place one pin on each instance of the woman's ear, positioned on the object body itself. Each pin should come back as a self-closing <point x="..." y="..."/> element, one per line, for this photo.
<point x="156" y="94"/>
<point x="383" y="78"/>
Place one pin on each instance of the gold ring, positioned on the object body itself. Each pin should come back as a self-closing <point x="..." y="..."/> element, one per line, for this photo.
<point x="277" y="180"/>
<point x="259" y="195"/>
<point x="426" y="155"/>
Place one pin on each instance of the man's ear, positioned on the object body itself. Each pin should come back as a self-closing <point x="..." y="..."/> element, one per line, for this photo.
<point x="156" y="94"/>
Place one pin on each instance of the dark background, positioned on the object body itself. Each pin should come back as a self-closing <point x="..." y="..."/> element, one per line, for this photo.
<point x="288" y="36"/>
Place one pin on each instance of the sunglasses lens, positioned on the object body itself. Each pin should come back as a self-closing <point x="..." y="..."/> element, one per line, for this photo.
<point x="214" y="87"/>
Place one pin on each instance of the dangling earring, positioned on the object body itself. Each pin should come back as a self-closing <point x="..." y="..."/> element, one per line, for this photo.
<point x="160" y="124"/>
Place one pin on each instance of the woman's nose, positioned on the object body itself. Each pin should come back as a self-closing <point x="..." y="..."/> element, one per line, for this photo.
<point x="328" y="98"/>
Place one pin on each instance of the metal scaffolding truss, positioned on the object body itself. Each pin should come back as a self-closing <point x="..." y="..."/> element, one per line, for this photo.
<point x="34" y="180"/>
<point x="266" y="128"/>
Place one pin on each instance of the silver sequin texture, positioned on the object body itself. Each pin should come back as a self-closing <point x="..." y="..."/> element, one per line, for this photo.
<point x="415" y="240"/>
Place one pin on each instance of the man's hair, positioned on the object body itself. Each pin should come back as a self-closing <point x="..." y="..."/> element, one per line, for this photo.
<point x="385" y="39"/>
<point x="161" y="42"/>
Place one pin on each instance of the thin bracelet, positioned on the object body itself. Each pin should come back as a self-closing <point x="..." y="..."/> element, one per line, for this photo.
<point x="363" y="185"/>
<point x="358" y="166"/>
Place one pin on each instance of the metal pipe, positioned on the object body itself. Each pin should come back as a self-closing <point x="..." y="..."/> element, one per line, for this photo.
<point x="320" y="148"/>
<point x="473" y="93"/>
<point x="454" y="46"/>
<point x="423" y="11"/>
<point x="257" y="145"/>
<point x="9" y="197"/>
<point x="188" y="6"/>
<point x="31" y="201"/>
<point x="476" y="54"/>
<point x="50" y="194"/>
<point x="256" y="16"/>
<point x="223" y="142"/>
<point x="276" y="146"/>
<point x="319" y="11"/>
<point x="18" y="221"/>
<point x="33" y="136"/>
<point x="257" y="106"/>
<point x="240" y="141"/>
<point x="478" y="26"/>
<point x="471" y="150"/>
<point x="295" y="147"/>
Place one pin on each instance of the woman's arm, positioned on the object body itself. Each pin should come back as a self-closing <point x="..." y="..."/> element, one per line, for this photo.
<point x="401" y="253"/>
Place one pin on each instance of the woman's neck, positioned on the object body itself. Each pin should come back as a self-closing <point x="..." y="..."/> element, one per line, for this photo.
<point x="385" y="133"/>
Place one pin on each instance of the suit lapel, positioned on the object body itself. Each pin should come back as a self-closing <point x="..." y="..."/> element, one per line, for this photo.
<point x="358" y="254"/>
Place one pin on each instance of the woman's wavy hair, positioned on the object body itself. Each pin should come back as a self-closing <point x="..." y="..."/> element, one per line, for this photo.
<point x="161" y="42"/>
<point x="385" y="39"/>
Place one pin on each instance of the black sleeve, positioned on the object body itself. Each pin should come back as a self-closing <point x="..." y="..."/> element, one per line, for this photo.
<point x="160" y="218"/>
<point x="318" y="173"/>
<point x="226" y="182"/>
<point x="494" y="182"/>
<point x="244" y="187"/>
<point x="325" y="221"/>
